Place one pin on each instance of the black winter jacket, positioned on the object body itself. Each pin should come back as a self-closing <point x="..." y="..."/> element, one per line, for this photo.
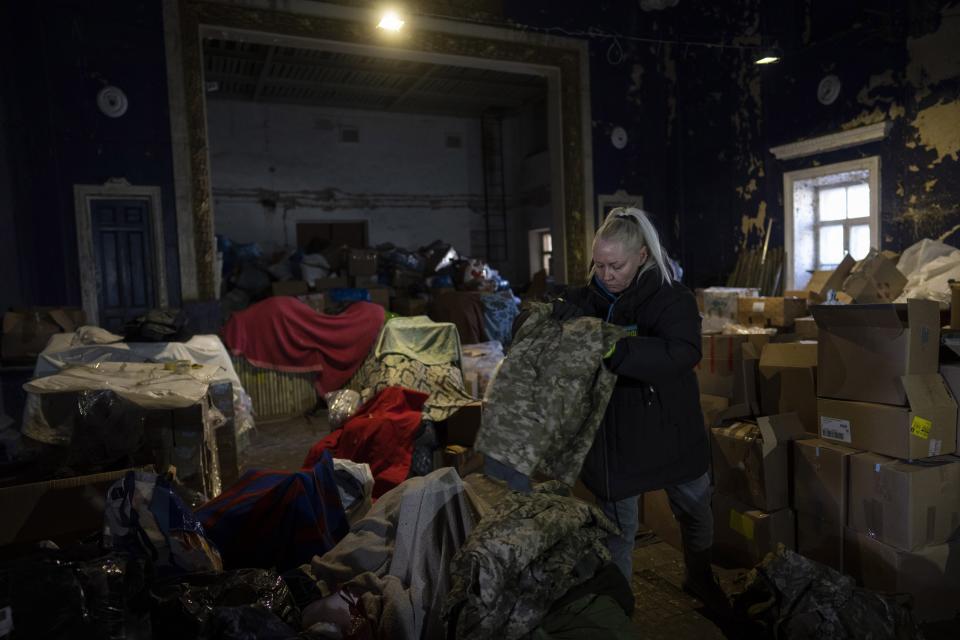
<point x="653" y="434"/>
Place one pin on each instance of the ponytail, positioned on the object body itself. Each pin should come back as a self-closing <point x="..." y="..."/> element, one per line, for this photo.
<point x="633" y="229"/>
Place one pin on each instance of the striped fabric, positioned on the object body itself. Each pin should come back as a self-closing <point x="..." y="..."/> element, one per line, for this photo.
<point x="277" y="519"/>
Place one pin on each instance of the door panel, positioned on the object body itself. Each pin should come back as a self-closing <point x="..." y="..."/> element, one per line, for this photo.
<point x="123" y="246"/>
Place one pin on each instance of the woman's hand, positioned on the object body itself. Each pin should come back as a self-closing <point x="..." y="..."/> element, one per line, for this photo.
<point x="563" y="310"/>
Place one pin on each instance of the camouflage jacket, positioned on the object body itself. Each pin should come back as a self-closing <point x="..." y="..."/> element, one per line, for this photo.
<point x="544" y="406"/>
<point x="527" y="552"/>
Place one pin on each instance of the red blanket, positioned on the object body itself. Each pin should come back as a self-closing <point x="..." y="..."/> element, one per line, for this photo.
<point x="285" y="334"/>
<point x="380" y="434"/>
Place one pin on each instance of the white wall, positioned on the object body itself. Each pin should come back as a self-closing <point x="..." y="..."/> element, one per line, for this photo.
<point x="400" y="177"/>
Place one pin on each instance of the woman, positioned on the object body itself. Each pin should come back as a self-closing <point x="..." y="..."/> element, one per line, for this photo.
<point x="652" y="436"/>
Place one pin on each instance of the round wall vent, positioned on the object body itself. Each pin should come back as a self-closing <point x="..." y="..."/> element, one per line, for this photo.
<point x="112" y="101"/>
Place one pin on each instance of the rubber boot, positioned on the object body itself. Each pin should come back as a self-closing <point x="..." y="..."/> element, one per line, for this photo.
<point x="703" y="585"/>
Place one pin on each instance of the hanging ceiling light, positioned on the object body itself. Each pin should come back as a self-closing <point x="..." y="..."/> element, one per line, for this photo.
<point x="391" y="21"/>
<point x="767" y="56"/>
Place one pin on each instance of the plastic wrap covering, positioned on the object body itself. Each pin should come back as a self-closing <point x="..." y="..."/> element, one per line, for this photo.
<point x="480" y="364"/>
<point x="355" y="486"/>
<point x="744" y="330"/>
<point x="146" y="517"/>
<point x="78" y="593"/>
<point x="342" y="405"/>
<point x="206" y="605"/>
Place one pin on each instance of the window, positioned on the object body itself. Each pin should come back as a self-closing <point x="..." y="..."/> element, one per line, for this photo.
<point x="832" y="211"/>
<point x="546" y="250"/>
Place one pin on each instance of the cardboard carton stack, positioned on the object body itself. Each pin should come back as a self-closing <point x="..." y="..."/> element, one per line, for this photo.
<point x="751" y="503"/>
<point x="879" y="391"/>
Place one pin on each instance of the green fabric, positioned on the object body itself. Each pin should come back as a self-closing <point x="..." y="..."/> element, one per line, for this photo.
<point x="543" y="408"/>
<point x="419" y="338"/>
<point x="587" y="618"/>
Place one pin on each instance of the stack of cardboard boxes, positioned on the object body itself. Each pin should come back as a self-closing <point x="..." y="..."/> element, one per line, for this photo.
<point x="751" y="503"/>
<point x="879" y="494"/>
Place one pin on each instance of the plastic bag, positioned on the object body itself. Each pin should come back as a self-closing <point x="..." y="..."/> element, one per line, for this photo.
<point x="146" y="517"/>
<point x="342" y="405"/>
<point x="191" y="606"/>
<point x="76" y="593"/>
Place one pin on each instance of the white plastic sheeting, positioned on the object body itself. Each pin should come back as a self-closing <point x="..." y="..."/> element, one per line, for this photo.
<point x="929" y="265"/>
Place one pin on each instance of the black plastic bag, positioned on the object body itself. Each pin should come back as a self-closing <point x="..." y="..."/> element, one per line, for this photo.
<point x="77" y="593"/>
<point x="185" y="609"/>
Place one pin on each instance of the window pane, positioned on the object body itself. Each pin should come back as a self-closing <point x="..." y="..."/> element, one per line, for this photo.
<point x="831" y="245"/>
<point x="859" y="241"/>
<point x="858" y="201"/>
<point x="546" y="242"/>
<point x="832" y="204"/>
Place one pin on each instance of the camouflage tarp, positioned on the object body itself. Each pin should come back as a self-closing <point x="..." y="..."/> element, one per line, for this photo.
<point x="546" y="402"/>
<point x="792" y="597"/>
<point x="526" y="552"/>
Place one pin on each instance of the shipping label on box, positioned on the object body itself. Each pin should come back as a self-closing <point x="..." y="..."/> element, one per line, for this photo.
<point x="864" y="350"/>
<point x="908" y="506"/>
<point x="743" y="536"/>
<point x="821" y="479"/>
<point x="788" y="375"/>
<point x="924" y="429"/>
<point x="751" y="462"/>
<point x="930" y="574"/>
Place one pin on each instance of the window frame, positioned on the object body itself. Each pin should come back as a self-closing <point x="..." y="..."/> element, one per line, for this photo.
<point x="844" y="223"/>
<point x="823" y="172"/>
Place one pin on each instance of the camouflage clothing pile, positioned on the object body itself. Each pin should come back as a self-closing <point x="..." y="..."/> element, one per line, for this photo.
<point x="527" y="552"/>
<point x="546" y="402"/>
<point x="792" y="597"/>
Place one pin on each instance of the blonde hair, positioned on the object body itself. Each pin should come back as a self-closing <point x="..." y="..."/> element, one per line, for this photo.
<point x="633" y="229"/>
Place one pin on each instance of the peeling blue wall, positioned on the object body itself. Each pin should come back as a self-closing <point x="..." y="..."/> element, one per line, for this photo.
<point x="58" y="55"/>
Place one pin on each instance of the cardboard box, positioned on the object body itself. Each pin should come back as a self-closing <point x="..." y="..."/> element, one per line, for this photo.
<point x="865" y="350"/>
<point x="743" y="536"/>
<point x="464" y="424"/>
<point x="728" y="369"/>
<point x="720" y="305"/>
<point x="62" y="510"/>
<point x="657" y="515"/>
<point x="409" y="306"/>
<point x="821" y="479"/>
<point x="788" y="381"/>
<point x="315" y="301"/>
<point x="951" y="376"/>
<point x="361" y="262"/>
<point x="875" y="279"/>
<point x="927" y="428"/>
<point x="908" y="506"/>
<point x="823" y="282"/>
<point x="465" y="460"/>
<point x="27" y="331"/>
<point x="931" y="575"/>
<point x="713" y="408"/>
<point x="752" y="462"/>
<point x="290" y="288"/>
<point x="770" y="312"/>
<point x="380" y="296"/>
<point x="806" y="328"/>
<point x="820" y="540"/>
<point x="365" y="282"/>
<point x="323" y="284"/>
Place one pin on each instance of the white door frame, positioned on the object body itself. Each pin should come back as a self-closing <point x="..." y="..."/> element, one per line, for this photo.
<point x="114" y="189"/>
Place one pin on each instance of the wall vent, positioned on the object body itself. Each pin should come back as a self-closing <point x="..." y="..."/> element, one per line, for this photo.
<point x="350" y="135"/>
